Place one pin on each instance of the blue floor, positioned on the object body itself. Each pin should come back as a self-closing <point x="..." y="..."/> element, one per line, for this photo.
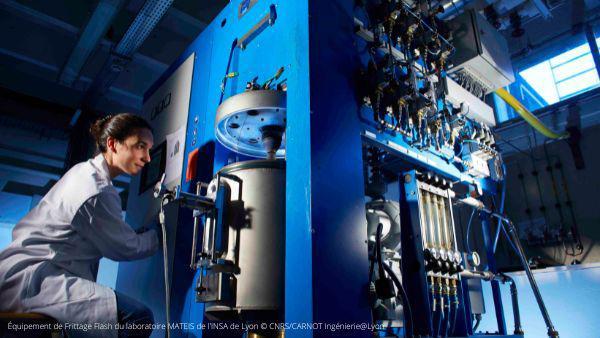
<point x="571" y="294"/>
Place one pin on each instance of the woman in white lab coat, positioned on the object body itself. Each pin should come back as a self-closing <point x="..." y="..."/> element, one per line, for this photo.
<point x="51" y="265"/>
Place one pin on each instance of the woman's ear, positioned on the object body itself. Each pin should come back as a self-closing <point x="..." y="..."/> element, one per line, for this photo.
<point x="111" y="144"/>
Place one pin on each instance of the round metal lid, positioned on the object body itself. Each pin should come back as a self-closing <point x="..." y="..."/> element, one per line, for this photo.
<point x="241" y="117"/>
<point x="253" y="164"/>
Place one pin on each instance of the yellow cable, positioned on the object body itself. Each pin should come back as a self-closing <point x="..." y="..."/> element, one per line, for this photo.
<point x="528" y="116"/>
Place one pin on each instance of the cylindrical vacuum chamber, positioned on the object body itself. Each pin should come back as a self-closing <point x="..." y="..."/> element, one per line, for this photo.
<point x="247" y="245"/>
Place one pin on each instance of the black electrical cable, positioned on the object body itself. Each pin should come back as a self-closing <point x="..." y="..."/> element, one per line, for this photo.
<point x="434" y="311"/>
<point x="408" y="317"/>
<point x="378" y="250"/>
<point x="441" y="317"/>
<point x="514" y="238"/>
<point x="371" y="268"/>
<point x="163" y="225"/>
<point x="536" y="174"/>
<point x="233" y="46"/>
<point x="575" y="226"/>
<point x="385" y="267"/>
<point x="477" y="322"/>
<point x="454" y="316"/>
<point x="550" y="170"/>
<point x="467" y="244"/>
<point x="515" y="303"/>
<point x="528" y="210"/>
<point x="447" y="317"/>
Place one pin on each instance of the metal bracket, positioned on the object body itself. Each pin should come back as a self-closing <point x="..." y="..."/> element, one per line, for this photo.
<point x="267" y="20"/>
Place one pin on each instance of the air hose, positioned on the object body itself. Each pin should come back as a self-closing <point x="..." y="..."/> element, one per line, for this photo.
<point x="501" y="210"/>
<point x="528" y="116"/>
<point x="515" y="303"/>
<point x="163" y="225"/>
<point x="514" y="238"/>
<point x="404" y="297"/>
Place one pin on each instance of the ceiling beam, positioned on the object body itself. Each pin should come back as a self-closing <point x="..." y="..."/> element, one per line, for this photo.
<point x="40" y="18"/>
<point x="175" y="20"/>
<point x="93" y="32"/>
<point x="68" y="96"/>
<point x="45" y="20"/>
<point x="145" y="21"/>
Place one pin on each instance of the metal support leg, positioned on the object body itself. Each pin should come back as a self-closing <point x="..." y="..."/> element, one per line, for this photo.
<point x="487" y="239"/>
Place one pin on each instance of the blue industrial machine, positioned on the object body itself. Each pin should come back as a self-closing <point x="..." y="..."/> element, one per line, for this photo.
<point x="310" y="158"/>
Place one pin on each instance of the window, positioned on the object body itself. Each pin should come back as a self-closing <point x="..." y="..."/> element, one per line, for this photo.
<point x="558" y="78"/>
<point x="565" y="75"/>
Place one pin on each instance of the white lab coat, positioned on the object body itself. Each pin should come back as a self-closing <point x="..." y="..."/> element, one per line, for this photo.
<point x="51" y="265"/>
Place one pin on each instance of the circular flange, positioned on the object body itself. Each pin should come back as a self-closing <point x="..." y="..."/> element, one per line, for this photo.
<point x="241" y="118"/>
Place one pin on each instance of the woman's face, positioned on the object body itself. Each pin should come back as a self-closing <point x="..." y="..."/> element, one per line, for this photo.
<point x="133" y="153"/>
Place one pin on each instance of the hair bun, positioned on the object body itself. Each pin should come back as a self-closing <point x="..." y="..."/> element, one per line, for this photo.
<point x="97" y="128"/>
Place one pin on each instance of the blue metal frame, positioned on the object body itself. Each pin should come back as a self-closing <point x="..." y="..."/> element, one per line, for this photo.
<point x="268" y="51"/>
<point x="339" y="250"/>
<point x="326" y="276"/>
<point x="414" y="275"/>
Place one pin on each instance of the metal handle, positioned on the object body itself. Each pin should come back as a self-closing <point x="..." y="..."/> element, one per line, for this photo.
<point x="266" y="21"/>
<point x="197" y="215"/>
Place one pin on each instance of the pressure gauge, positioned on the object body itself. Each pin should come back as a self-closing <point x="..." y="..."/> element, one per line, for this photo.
<point x="474" y="259"/>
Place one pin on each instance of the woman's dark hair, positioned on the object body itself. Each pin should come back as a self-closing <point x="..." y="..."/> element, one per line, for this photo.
<point x="118" y="126"/>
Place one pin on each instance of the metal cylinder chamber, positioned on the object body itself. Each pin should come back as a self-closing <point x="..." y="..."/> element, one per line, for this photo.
<point x="248" y="245"/>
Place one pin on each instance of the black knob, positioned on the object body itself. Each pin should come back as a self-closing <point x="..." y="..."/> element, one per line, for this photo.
<point x="436" y="265"/>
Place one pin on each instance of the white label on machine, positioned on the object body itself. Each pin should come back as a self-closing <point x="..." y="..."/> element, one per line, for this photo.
<point x="175" y="147"/>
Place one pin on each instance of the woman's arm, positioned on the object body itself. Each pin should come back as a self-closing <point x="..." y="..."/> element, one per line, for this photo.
<point x="99" y="221"/>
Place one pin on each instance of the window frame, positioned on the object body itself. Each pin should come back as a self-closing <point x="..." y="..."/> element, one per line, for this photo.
<point x="589" y="38"/>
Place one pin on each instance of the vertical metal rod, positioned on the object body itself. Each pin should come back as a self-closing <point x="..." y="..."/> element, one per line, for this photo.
<point x="206" y="234"/>
<point x="449" y="223"/>
<point x="163" y="226"/>
<point x="543" y="209"/>
<point x="569" y="203"/>
<point x="528" y="210"/>
<point x="451" y="217"/>
<point x="195" y="231"/>
<point x="487" y="240"/>
<point x="591" y="39"/>
<point x="213" y="236"/>
<point x="512" y="231"/>
<point x="550" y="170"/>
<point x="515" y="304"/>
